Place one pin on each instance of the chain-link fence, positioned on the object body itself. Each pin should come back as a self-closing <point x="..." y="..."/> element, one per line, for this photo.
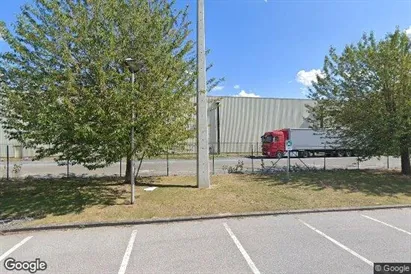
<point x="232" y="157"/>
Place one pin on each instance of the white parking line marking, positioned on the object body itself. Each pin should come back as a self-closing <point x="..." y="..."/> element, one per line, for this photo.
<point x="126" y="257"/>
<point x="339" y="244"/>
<point x="381" y="222"/>
<point x="242" y="250"/>
<point x="11" y="250"/>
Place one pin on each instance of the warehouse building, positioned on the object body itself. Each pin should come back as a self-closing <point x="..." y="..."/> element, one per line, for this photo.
<point x="235" y="123"/>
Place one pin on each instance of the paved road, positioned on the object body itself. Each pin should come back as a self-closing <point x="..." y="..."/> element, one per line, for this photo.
<point x="345" y="242"/>
<point x="188" y="167"/>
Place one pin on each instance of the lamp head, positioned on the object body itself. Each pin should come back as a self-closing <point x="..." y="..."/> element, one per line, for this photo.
<point x="134" y="65"/>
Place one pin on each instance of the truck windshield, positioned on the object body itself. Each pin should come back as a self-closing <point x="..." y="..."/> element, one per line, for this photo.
<point x="267" y="139"/>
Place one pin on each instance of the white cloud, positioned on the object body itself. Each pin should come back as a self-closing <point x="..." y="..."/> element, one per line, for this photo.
<point x="308" y="77"/>
<point x="244" y="93"/>
<point x="237" y="86"/>
<point x="218" y="88"/>
<point x="290" y="82"/>
<point x="305" y="91"/>
<point x="408" y="32"/>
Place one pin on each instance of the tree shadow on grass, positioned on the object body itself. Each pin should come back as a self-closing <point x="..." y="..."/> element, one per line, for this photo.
<point x="369" y="182"/>
<point x="155" y="182"/>
<point x="36" y="198"/>
<point x="164" y="185"/>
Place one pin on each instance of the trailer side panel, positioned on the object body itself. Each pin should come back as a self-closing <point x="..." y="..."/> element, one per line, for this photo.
<point x="307" y="139"/>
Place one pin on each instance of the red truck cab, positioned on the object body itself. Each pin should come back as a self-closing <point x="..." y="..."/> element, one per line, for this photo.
<point x="273" y="143"/>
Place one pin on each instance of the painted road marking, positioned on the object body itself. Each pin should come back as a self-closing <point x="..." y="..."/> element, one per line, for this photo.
<point x="126" y="257"/>
<point x="242" y="250"/>
<point x="11" y="250"/>
<point x="381" y="222"/>
<point x="338" y="244"/>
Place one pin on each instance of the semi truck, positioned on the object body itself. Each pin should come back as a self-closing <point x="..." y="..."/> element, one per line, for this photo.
<point x="305" y="142"/>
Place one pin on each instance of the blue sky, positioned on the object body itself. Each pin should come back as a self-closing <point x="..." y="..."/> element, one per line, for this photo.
<point x="273" y="48"/>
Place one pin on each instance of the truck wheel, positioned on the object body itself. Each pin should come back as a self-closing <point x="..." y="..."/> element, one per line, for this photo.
<point x="279" y="154"/>
<point x="348" y="153"/>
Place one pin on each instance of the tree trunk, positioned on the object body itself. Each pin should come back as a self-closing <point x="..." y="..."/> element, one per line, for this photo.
<point x="405" y="160"/>
<point x="128" y="170"/>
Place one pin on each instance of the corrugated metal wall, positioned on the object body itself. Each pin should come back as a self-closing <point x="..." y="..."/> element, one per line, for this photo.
<point x="242" y="122"/>
<point x="243" y="119"/>
<point x="191" y="143"/>
<point x="15" y="150"/>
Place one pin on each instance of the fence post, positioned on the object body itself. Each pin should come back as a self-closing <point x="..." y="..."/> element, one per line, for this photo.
<point x="325" y="157"/>
<point x="388" y="162"/>
<point x="288" y="165"/>
<point x="358" y="162"/>
<point x="8" y="162"/>
<point x="121" y="160"/>
<point x="68" y="168"/>
<point x="252" y="158"/>
<point x="168" y="168"/>
<point x="213" y="160"/>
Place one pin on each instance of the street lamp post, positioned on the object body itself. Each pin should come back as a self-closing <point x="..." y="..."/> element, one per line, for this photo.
<point x="203" y="173"/>
<point x="133" y="67"/>
<point x="133" y="119"/>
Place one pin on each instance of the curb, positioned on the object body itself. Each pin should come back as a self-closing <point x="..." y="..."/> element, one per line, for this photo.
<point x="199" y="218"/>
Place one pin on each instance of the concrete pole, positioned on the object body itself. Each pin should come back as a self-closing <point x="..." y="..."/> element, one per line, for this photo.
<point x="8" y="162"/>
<point x="203" y="173"/>
<point x="133" y="117"/>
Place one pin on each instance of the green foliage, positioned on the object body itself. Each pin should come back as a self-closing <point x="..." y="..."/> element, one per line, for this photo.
<point x="16" y="169"/>
<point x="238" y="168"/>
<point x="66" y="91"/>
<point x="365" y="96"/>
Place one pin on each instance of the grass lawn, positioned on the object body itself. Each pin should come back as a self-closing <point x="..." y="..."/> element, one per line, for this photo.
<point x="85" y="200"/>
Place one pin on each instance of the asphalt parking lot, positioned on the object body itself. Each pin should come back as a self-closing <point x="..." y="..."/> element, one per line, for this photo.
<point x="338" y="242"/>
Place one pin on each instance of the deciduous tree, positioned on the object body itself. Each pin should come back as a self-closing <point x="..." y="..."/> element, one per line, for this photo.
<point x="364" y="95"/>
<point x="66" y="90"/>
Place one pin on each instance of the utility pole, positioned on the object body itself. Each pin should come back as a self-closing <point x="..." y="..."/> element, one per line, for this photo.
<point x="203" y="173"/>
<point x="218" y="128"/>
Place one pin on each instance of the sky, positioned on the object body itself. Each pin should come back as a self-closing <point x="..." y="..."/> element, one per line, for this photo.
<point x="274" y="48"/>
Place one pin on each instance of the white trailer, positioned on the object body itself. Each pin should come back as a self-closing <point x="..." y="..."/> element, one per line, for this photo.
<point x="308" y="142"/>
<point x="308" y="139"/>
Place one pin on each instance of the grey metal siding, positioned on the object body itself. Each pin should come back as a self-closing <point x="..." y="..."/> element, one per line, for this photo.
<point x="243" y="120"/>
